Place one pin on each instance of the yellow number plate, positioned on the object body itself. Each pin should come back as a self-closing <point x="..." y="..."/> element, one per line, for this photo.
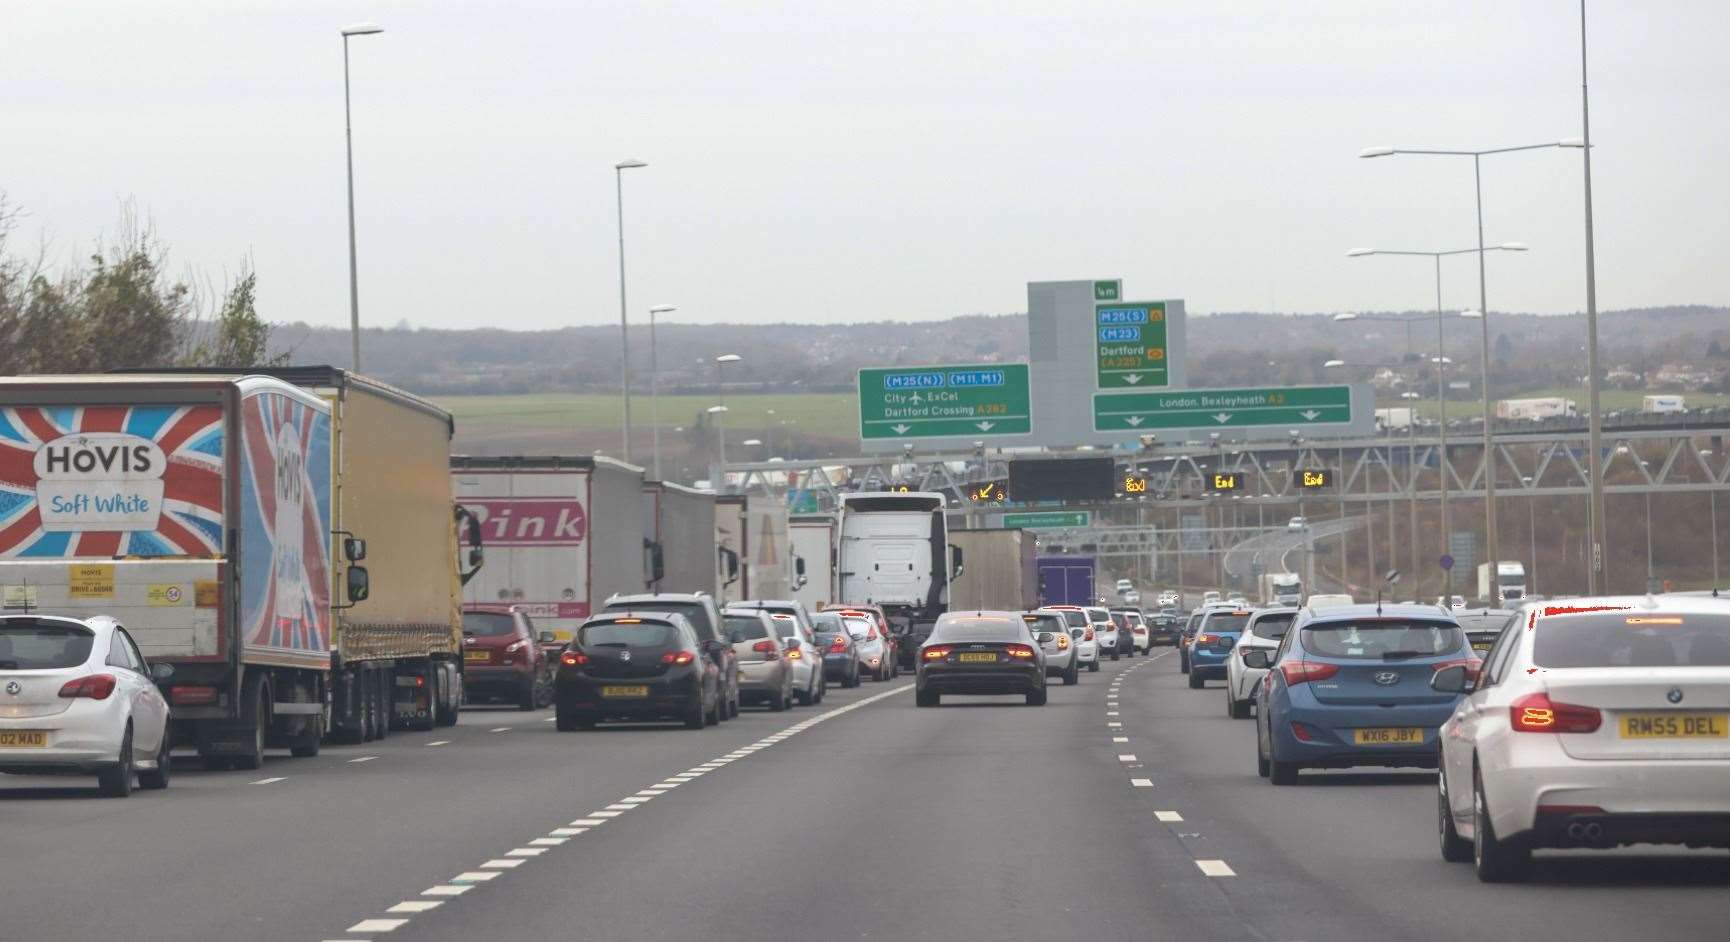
<point x="473" y="656"/>
<point x="1389" y="736"/>
<point x="1670" y="726"/>
<point x="978" y="657"/>
<point x="634" y="690"/>
<point x="1482" y="645"/>
<point x="24" y="737"/>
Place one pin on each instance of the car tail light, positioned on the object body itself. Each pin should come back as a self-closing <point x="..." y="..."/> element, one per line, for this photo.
<point x="935" y="654"/>
<point x="678" y="657"/>
<point x="1207" y="639"/>
<point x="838" y="646"/>
<point x="767" y="649"/>
<point x="1537" y="713"/>
<point x="1088" y="636"/>
<point x="1302" y="672"/>
<point x="573" y="659"/>
<point x="95" y="686"/>
<point x="1019" y="650"/>
<point x="183" y="696"/>
<point x="1471" y="664"/>
<point x="1062" y="642"/>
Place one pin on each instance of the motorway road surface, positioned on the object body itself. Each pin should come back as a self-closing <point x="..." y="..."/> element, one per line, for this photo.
<point x="864" y="818"/>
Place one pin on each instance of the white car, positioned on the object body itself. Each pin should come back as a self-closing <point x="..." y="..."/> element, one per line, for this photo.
<point x="1263" y="633"/>
<point x="1168" y="599"/>
<point x="873" y="649"/>
<point x="1104" y="631"/>
<point x="1599" y="724"/>
<point x="1297" y="524"/>
<point x="1124" y="585"/>
<point x="1080" y="632"/>
<point x="1061" y="657"/>
<point x="76" y="696"/>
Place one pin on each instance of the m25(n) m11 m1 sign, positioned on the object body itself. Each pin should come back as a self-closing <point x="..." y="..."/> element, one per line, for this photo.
<point x="892" y="550"/>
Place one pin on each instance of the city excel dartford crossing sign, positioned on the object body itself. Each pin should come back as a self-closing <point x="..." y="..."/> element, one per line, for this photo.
<point x="970" y="401"/>
<point x="1295" y="407"/>
<point x="1130" y="342"/>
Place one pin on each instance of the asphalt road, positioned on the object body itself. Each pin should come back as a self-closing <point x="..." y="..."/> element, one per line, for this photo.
<point x="863" y="818"/>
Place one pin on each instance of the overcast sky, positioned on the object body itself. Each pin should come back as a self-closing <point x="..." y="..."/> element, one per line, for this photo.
<point x="845" y="161"/>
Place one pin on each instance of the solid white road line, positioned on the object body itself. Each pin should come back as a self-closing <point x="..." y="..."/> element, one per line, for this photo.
<point x="1168" y="816"/>
<point x="1216" y="868"/>
<point x="267" y="781"/>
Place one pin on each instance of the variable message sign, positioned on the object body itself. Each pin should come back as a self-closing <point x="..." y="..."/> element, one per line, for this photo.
<point x="974" y="401"/>
<point x="1313" y="478"/>
<point x="1130" y="345"/>
<point x="1295" y="407"/>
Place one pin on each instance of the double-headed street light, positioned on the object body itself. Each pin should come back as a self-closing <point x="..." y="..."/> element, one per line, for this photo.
<point x="358" y="29"/>
<point x="624" y="321"/>
<point x="655" y="388"/>
<point x="1483" y="299"/>
<point x="1441" y="389"/>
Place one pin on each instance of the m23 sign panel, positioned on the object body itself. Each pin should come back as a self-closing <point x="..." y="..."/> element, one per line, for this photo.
<point x="82" y="481"/>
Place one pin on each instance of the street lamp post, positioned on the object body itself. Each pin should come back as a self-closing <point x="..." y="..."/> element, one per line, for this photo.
<point x="1484" y="303"/>
<point x="1441" y="361"/>
<point x="720" y="410"/>
<point x="624" y="321"/>
<point x="358" y="29"/>
<point x="718" y="414"/>
<point x="655" y="388"/>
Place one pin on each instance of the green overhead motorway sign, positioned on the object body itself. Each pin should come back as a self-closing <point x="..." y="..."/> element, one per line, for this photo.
<point x="973" y="401"/>
<point x="1294" y="406"/>
<point x="1130" y="343"/>
<point x="1049" y="520"/>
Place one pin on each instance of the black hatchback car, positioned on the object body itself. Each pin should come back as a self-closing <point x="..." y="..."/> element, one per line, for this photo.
<point x="980" y="653"/>
<point x="636" y="666"/>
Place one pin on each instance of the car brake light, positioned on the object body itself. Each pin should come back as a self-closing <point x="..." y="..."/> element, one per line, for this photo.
<point x="1019" y="650"/>
<point x="838" y="646"/>
<point x="573" y="659"/>
<point x="95" y="686"/>
<point x="766" y="648"/>
<point x="1207" y="639"/>
<point x="1537" y="713"/>
<point x="1089" y="636"/>
<point x="935" y="654"/>
<point x="678" y="657"/>
<point x="186" y="696"/>
<point x="1301" y="672"/>
<point x="1062" y="642"/>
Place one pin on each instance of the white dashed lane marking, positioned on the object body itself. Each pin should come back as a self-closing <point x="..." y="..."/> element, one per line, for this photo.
<point x="363" y="759"/>
<point x="1141" y="782"/>
<point x="1120" y="739"/>
<point x="1126" y="758"/>
<point x="377" y="925"/>
<point x="439" y="742"/>
<point x="445" y="889"/>
<point x="1168" y="816"/>
<point x="1216" y="868"/>
<point x="415" y="906"/>
<point x="499" y="729"/>
<point x="267" y="781"/>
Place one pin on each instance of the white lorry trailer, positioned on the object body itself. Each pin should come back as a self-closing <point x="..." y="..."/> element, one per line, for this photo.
<point x="812" y="537"/>
<point x="1501" y="583"/>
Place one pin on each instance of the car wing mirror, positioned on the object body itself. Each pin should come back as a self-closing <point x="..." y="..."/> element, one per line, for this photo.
<point x="1256" y="659"/>
<point x="547" y="637"/>
<point x="1453" y="679"/>
<point x="1045" y="637"/>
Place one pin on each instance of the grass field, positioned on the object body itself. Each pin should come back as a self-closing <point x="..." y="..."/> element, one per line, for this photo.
<point x="817" y="415"/>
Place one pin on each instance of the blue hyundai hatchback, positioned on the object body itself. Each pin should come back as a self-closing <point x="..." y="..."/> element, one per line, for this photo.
<point x="1218" y="630"/>
<point x="1350" y="686"/>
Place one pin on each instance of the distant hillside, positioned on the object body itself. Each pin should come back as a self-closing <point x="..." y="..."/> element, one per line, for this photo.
<point x="1529" y="351"/>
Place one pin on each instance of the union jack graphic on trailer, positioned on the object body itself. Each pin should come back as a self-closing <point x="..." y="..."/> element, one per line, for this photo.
<point x="102" y="481"/>
<point x="285" y="525"/>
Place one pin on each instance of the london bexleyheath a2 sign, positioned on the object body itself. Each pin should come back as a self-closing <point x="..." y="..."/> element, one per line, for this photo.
<point x="1297" y="407"/>
<point x="971" y="401"/>
<point x="1131" y="344"/>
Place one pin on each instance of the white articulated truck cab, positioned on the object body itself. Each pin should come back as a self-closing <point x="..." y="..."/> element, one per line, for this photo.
<point x="893" y="550"/>
<point x="1282" y="588"/>
<point x="1507" y="585"/>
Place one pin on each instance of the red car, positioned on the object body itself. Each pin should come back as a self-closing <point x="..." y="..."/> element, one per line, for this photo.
<point x="503" y="659"/>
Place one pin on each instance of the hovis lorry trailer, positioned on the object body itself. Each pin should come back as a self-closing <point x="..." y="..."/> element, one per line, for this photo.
<point x="230" y="522"/>
<point x="893" y="550"/>
<point x="752" y="558"/>
<point x="562" y="534"/>
<point x="1066" y="580"/>
<point x="1000" y="571"/>
<point x="812" y="538"/>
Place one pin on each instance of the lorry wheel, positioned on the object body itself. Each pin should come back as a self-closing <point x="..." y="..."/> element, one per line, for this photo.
<point x="255" y="716"/>
<point x="451" y="697"/>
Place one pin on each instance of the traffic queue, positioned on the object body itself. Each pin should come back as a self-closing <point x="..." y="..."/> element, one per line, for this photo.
<point x="1589" y="723"/>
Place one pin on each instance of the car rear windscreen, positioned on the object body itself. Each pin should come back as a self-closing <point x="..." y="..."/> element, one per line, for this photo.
<point x="695" y="613"/>
<point x="488" y="624"/>
<point x="1225" y="621"/>
<point x="1074" y="619"/>
<point x="859" y="628"/>
<point x="1630" y="639"/>
<point x="1273" y="626"/>
<point x="1382" y="640"/>
<point x="744" y="628"/>
<point x="827" y="623"/>
<point x="646" y="634"/>
<point x="1038" y="623"/>
<point x="979" y="629"/>
<point x="43" y="645"/>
